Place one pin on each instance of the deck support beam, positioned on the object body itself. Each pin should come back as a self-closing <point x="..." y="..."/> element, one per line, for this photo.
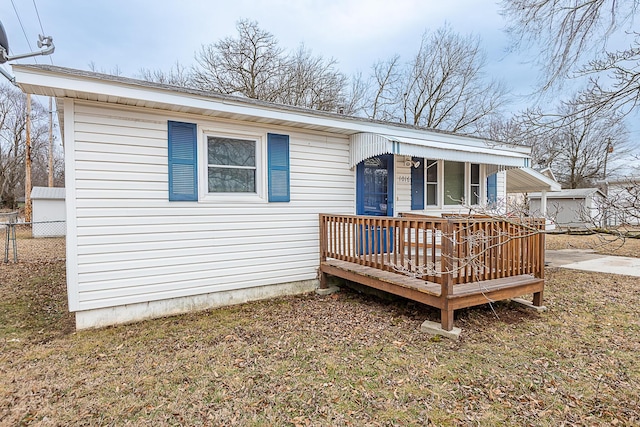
<point x="446" y="318"/>
<point x="537" y="299"/>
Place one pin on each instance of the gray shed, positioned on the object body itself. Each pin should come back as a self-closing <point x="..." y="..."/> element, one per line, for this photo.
<point x="49" y="212"/>
<point x="571" y="208"/>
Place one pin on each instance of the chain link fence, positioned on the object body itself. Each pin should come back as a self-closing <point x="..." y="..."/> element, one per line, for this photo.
<point x="31" y="241"/>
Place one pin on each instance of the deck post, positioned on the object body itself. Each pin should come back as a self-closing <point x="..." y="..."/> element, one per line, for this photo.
<point x="446" y="318"/>
<point x="447" y="266"/>
<point x="537" y="297"/>
<point x="323" y="251"/>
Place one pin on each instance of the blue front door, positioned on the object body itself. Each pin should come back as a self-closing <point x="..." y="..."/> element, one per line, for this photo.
<point x="374" y="192"/>
<point x="374" y="196"/>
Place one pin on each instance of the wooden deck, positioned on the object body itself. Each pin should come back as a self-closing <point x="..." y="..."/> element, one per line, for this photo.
<point x="447" y="263"/>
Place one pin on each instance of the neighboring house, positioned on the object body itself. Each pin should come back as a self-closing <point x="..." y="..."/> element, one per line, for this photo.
<point x="623" y="206"/>
<point x="49" y="212"/>
<point x="571" y="208"/>
<point x="179" y="199"/>
<point x="521" y="182"/>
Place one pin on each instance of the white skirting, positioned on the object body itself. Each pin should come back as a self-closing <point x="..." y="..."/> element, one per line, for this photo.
<point x="100" y="317"/>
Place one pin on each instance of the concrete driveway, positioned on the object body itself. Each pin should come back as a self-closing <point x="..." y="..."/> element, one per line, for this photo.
<point x="588" y="260"/>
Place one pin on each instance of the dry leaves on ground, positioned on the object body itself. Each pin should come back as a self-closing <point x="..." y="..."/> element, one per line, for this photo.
<point x="346" y="359"/>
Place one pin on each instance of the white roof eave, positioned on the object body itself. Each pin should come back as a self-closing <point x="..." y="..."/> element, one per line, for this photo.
<point x="66" y="83"/>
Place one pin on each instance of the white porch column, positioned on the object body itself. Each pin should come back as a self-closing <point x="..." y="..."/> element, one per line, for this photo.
<point x="543" y="203"/>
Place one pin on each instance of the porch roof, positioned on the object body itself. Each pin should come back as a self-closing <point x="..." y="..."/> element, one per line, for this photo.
<point x="365" y="145"/>
<point x="527" y="180"/>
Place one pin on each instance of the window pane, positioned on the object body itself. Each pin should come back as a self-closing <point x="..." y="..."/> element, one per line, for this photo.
<point x="432" y="171"/>
<point x="475" y="192"/>
<point x="228" y="180"/>
<point x="432" y="198"/>
<point x="453" y="183"/>
<point x="231" y="152"/>
<point x="475" y="173"/>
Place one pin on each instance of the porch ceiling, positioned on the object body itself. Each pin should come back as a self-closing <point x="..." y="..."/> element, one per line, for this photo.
<point x="527" y="180"/>
<point x="366" y="145"/>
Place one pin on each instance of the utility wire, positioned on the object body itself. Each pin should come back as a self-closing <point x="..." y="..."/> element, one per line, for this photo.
<point x="38" y="15"/>
<point x="22" y="26"/>
<point x="35" y="6"/>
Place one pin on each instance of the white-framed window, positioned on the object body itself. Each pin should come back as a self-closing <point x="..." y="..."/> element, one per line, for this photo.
<point x="232" y="167"/>
<point x="207" y="165"/>
<point x="431" y="182"/>
<point x="454" y="180"/>
<point x="451" y="183"/>
<point x="474" y="187"/>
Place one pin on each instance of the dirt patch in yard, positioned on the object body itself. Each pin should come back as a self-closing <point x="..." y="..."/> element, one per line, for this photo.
<point x="345" y="359"/>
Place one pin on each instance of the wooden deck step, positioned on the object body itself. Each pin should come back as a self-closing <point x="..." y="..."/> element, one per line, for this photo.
<point x="397" y="279"/>
<point x="393" y="283"/>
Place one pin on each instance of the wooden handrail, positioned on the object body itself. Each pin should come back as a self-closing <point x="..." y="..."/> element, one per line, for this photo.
<point x="441" y="250"/>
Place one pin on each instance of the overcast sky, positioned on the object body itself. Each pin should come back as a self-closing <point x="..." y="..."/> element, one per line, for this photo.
<point x="136" y="34"/>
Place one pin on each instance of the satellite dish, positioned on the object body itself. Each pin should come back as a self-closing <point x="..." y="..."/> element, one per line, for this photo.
<point x="4" y="44"/>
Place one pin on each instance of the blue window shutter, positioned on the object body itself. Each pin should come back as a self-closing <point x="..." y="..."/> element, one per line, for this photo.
<point x="492" y="188"/>
<point x="417" y="185"/>
<point x="278" y="164"/>
<point x="183" y="162"/>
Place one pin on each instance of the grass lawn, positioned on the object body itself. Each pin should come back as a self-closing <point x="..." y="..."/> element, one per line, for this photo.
<point x="346" y="359"/>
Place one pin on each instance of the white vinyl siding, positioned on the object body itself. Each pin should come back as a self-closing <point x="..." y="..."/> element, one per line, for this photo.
<point x="501" y="191"/>
<point x="402" y="190"/>
<point x="133" y="245"/>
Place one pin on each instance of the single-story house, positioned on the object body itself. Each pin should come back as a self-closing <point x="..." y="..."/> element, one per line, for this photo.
<point x="179" y="199"/>
<point x="49" y="212"/>
<point x="570" y="208"/>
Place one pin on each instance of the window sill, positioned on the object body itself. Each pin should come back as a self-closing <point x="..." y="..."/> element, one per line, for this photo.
<point x="230" y="198"/>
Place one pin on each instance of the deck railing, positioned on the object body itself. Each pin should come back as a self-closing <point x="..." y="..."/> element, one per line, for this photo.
<point x="446" y="250"/>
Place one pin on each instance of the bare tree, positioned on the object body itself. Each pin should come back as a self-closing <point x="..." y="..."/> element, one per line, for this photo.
<point x="310" y="81"/>
<point x="253" y="64"/>
<point x="383" y="103"/>
<point x="115" y="71"/>
<point x="355" y="98"/>
<point x="12" y="145"/>
<point x="178" y="75"/>
<point x="573" y="40"/>
<point x="442" y="87"/>
<point x="577" y="148"/>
